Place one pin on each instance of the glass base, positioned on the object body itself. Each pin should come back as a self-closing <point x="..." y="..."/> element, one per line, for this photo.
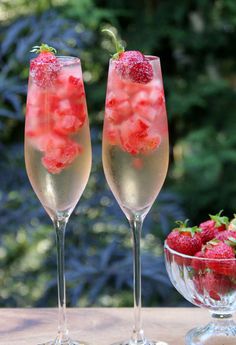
<point x="215" y="333"/>
<point x="68" y="342"/>
<point x="142" y="342"/>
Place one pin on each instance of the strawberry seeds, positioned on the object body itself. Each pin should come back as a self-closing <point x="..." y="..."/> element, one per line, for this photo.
<point x="209" y="254"/>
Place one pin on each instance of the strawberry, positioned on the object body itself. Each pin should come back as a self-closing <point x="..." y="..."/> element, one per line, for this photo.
<point x="118" y="107"/>
<point x="220" y="252"/>
<point x="131" y="65"/>
<point x="45" y="67"/>
<point x="126" y="60"/>
<point x="197" y="263"/>
<point x="59" y="153"/>
<point x="141" y="72"/>
<point x="215" y="285"/>
<point x="210" y="228"/>
<point x="184" y="239"/>
<point x="135" y="138"/>
<point x="225" y="235"/>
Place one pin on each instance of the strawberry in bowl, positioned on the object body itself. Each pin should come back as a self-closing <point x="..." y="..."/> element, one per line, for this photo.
<point x="204" y="272"/>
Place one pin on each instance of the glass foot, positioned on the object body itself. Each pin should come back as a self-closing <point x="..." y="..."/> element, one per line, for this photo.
<point x="215" y="333"/>
<point x="68" y="342"/>
<point x="142" y="342"/>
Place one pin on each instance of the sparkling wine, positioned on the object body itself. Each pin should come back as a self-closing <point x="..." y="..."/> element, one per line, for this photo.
<point x="135" y="182"/>
<point x="135" y="141"/>
<point x="57" y="139"/>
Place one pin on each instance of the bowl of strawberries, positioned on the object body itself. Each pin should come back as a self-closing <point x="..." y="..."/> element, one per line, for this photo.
<point x="201" y="264"/>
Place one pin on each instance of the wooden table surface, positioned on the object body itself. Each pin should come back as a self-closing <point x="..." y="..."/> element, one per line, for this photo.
<point x="99" y="326"/>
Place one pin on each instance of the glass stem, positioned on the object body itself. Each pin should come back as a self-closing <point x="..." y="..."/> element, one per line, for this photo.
<point x="136" y="229"/>
<point x="60" y="227"/>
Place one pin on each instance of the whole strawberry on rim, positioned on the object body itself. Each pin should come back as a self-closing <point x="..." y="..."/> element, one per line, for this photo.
<point x="130" y="65"/>
<point x="45" y="67"/>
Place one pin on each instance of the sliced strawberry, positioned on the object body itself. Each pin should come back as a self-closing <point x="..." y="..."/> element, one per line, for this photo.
<point x="197" y="263"/>
<point x="212" y="227"/>
<point x="135" y="138"/>
<point x="59" y="155"/>
<point x="118" y="107"/>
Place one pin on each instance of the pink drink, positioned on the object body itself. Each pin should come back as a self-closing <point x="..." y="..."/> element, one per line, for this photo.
<point x="135" y="139"/>
<point x="57" y="139"/>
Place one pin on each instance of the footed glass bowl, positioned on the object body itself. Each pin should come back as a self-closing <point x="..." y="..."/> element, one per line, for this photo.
<point x="210" y="284"/>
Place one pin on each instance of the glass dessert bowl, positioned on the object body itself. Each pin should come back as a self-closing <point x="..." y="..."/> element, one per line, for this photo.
<point x="206" y="283"/>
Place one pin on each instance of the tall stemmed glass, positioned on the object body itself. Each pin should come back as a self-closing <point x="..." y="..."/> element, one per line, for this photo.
<point x="57" y="150"/>
<point x="135" y="157"/>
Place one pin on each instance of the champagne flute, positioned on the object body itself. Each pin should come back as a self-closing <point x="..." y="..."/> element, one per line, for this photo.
<point x="135" y="153"/>
<point x="57" y="150"/>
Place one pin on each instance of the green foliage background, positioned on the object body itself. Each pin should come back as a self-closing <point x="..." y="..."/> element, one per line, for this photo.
<point x="196" y="43"/>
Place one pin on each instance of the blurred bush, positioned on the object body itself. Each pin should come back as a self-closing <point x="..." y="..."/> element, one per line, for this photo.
<point x="195" y="41"/>
<point x="98" y="250"/>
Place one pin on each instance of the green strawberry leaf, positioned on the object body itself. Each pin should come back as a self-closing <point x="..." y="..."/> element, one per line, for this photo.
<point x="43" y="48"/>
<point x="219" y="220"/>
<point x="182" y="227"/>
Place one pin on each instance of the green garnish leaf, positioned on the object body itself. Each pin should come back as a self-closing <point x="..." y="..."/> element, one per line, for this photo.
<point x="43" y="48"/>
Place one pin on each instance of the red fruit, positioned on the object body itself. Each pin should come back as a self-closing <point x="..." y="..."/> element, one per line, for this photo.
<point x="220" y="252"/>
<point x="118" y="107"/>
<point x="224" y="235"/>
<point x="211" y="227"/>
<point x="75" y="89"/>
<point x="135" y="137"/>
<point x="197" y="263"/>
<point x="184" y="239"/>
<point x="197" y="281"/>
<point x="75" y="81"/>
<point x="126" y="60"/>
<point x="45" y="67"/>
<point x="131" y="65"/>
<point x="59" y="154"/>
<point x="141" y="72"/>
<point x="215" y="285"/>
<point x="67" y="124"/>
<point x="111" y="132"/>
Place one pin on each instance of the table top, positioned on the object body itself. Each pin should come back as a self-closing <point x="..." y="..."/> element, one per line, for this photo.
<point x="98" y="326"/>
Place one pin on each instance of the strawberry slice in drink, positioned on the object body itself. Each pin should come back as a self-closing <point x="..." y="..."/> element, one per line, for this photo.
<point x="135" y="137"/>
<point x="68" y="119"/>
<point x="118" y="107"/>
<point x="59" y="153"/>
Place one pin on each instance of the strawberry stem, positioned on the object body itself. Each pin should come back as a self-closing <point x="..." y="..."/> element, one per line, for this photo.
<point x="219" y="220"/>
<point x="118" y="45"/>
<point x="184" y="228"/>
<point x="43" y="48"/>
